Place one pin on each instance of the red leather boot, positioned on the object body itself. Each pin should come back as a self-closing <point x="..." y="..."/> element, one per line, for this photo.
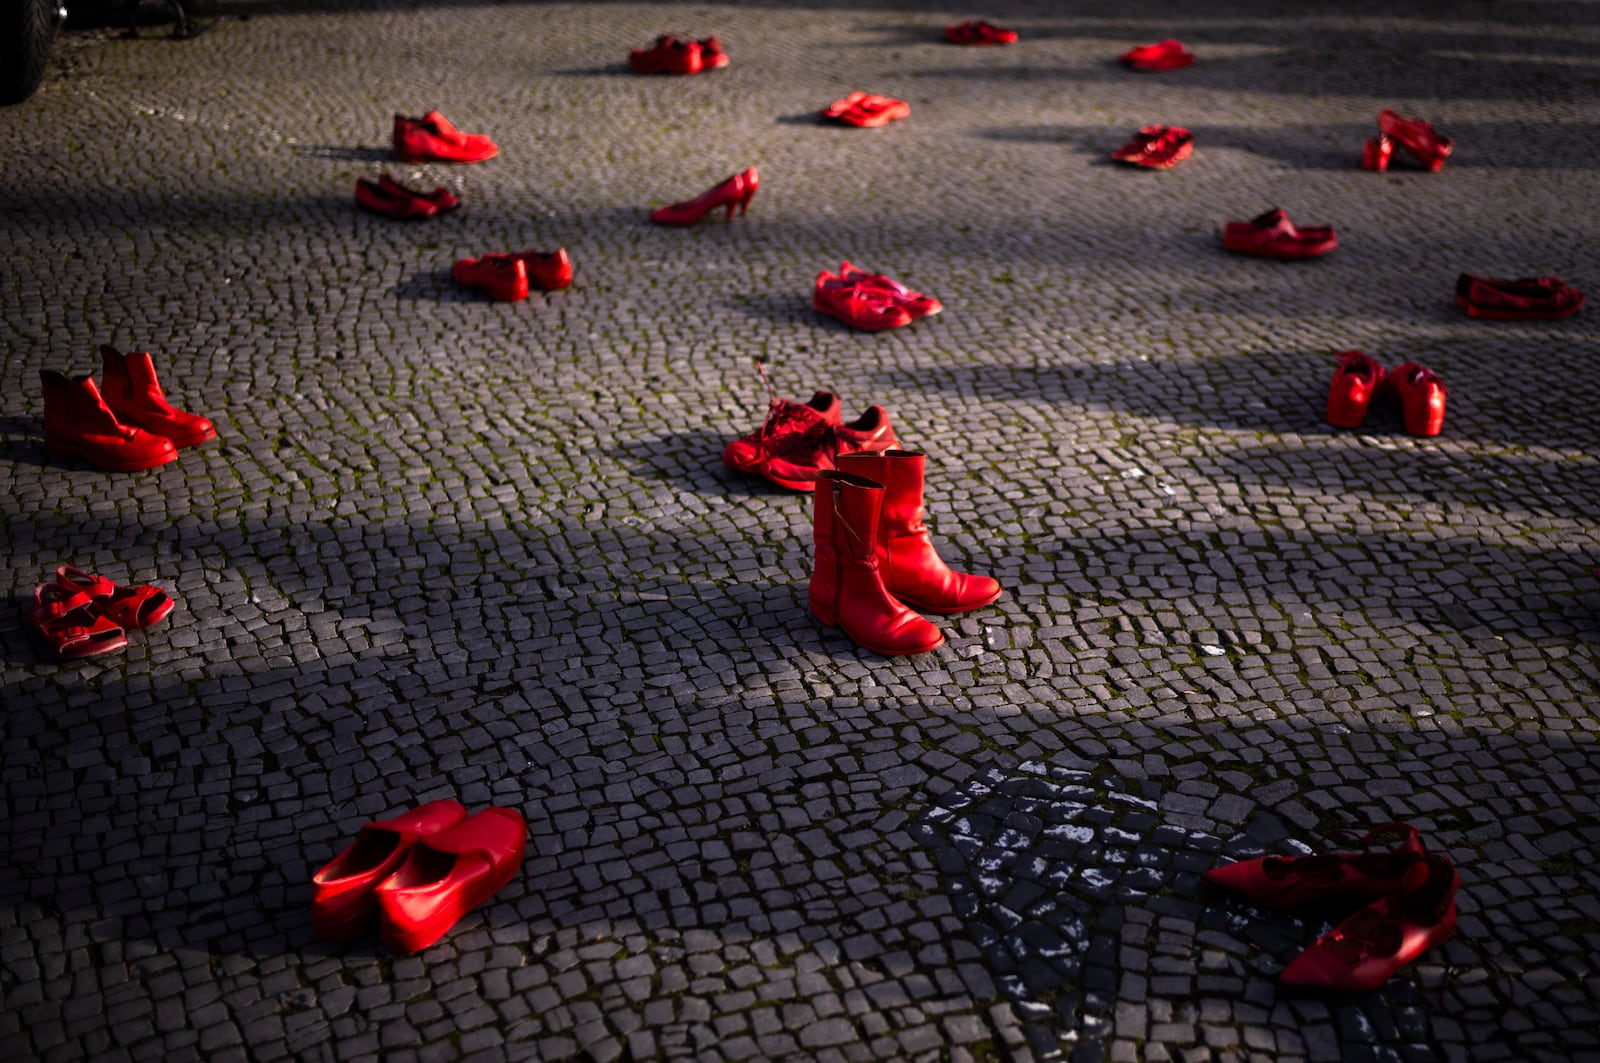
<point x="134" y="395"/>
<point x="847" y="588"/>
<point x="912" y="569"/>
<point x="79" y="424"/>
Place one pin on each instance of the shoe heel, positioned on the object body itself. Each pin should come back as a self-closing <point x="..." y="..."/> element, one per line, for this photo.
<point x="744" y="204"/>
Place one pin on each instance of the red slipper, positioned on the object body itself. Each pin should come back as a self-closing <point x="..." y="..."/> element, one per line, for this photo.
<point x="448" y="874"/>
<point x="343" y="906"/>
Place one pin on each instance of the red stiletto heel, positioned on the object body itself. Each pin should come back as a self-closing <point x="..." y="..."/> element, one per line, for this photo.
<point x="736" y="192"/>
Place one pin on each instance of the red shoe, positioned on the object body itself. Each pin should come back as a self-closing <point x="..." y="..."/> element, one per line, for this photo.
<point x="343" y="905"/>
<point x="838" y="108"/>
<point x="736" y="191"/>
<point x="129" y="608"/>
<point x="1273" y="235"/>
<point x="1365" y="950"/>
<point x="914" y="303"/>
<point x="798" y="467"/>
<point x="134" y="394"/>
<point x="67" y="622"/>
<point x="1157" y="147"/>
<point x="1375" y="153"/>
<point x="1523" y="299"/>
<point x="432" y="138"/>
<point x="712" y="57"/>
<point x="78" y="423"/>
<point x="789" y="424"/>
<point x="374" y="197"/>
<point x="1163" y="55"/>
<point x="441" y="197"/>
<point x="504" y="277"/>
<point x="1355" y="382"/>
<point x="448" y="874"/>
<point x="979" y="32"/>
<point x="1417" y="137"/>
<point x="860" y="307"/>
<point x="668" y="55"/>
<point x="1420" y="394"/>
<point x="549" y="271"/>
<point x="866" y="110"/>
<point x="1285" y="882"/>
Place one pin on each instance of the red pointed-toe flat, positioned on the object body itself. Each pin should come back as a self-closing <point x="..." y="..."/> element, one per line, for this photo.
<point x="343" y="905"/>
<point x="788" y="424"/>
<point x="448" y="874"/>
<point x="1522" y="299"/>
<point x="68" y="623"/>
<point x="1156" y="147"/>
<point x="669" y="55"/>
<point x="1376" y="152"/>
<point x="734" y="193"/>
<point x="548" y="271"/>
<point x="432" y="138"/>
<point x="872" y="309"/>
<point x="1418" y="137"/>
<point x="1420" y="395"/>
<point x="1355" y="382"/>
<point x="912" y="302"/>
<point x="441" y="197"/>
<point x="1367" y="949"/>
<point x="1285" y="882"/>
<point x="1163" y="55"/>
<point x="370" y="195"/>
<point x="1273" y="235"/>
<point x="979" y="31"/>
<point x="127" y="607"/>
<point x="501" y="276"/>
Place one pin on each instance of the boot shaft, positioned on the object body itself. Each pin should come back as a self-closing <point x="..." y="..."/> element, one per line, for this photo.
<point x="131" y="381"/>
<point x="74" y="405"/>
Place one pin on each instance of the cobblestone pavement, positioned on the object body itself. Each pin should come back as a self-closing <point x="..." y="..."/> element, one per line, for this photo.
<point x="450" y="547"/>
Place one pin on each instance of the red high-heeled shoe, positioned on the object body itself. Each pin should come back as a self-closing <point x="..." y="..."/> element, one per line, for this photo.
<point x="736" y="191"/>
<point x="448" y="874"/>
<point x="343" y="905"/>
<point x="1285" y="882"/>
<point x="1376" y="153"/>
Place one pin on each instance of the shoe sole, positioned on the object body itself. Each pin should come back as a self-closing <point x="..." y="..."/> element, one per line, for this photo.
<point x="62" y="450"/>
<point x="880" y="650"/>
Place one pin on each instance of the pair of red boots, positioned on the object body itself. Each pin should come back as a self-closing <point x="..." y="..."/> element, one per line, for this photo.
<point x="509" y="276"/>
<point x="1415" y="389"/>
<point x="736" y="191"/>
<point x="1428" y="147"/>
<point x="870" y="301"/>
<point x="865" y="110"/>
<point x="389" y="197"/>
<point x="1407" y="894"/>
<point x="1273" y="235"/>
<point x="875" y="561"/>
<point x="124" y="428"/>
<point x="432" y="138"/>
<point x="1156" y="147"/>
<point x="84" y="615"/>
<point x="1523" y="299"/>
<point x="417" y="874"/>
<point x="799" y="441"/>
<point x="674" y="55"/>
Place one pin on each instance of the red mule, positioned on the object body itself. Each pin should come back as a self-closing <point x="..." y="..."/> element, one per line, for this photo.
<point x="432" y="138"/>
<point x="736" y="191"/>
<point x="69" y="624"/>
<point x="1285" y="882"/>
<point x="1418" y="137"/>
<point x="846" y="589"/>
<point x="787" y="425"/>
<point x="127" y="607"/>
<point x="343" y="905"/>
<point x="1420" y="394"/>
<point x="549" y="271"/>
<point x="798" y="467"/>
<point x="1163" y="55"/>
<point x="1355" y="382"/>
<point x="78" y="423"/>
<point x="448" y="874"/>
<point x="503" y="277"/>
<point x="912" y="569"/>
<point x="134" y="394"/>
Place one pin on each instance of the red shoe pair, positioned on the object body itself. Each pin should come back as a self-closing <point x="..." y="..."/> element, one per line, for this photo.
<point x="670" y="55"/>
<point x="736" y="191"/>
<point x="83" y="615"/>
<point x="1415" y="389"/>
<point x="1157" y="147"/>
<point x="979" y="31"/>
<point x="1163" y="55"/>
<point x="1409" y="895"/>
<point x="1416" y="136"/>
<point x="1273" y="235"/>
<point x="128" y="427"/>
<point x="509" y="277"/>
<point x="875" y="560"/>
<point x="432" y="138"/>
<point x="1523" y="299"/>
<point x="799" y="441"/>
<point x="871" y="301"/>
<point x="389" y="197"/>
<point x="866" y="110"/>
<point x="417" y="874"/>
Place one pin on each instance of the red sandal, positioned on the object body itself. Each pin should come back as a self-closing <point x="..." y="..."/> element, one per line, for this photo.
<point x="70" y="626"/>
<point x="128" y="607"/>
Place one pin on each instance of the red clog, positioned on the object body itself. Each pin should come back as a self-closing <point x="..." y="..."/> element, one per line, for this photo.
<point x="669" y="55"/>
<point x="68" y="623"/>
<point x="1376" y="152"/>
<point x="1523" y="299"/>
<point x="1420" y="394"/>
<point x="1365" y="950"/>
<point x="78" y="423"/>
<point x="1156" y="147"/>
<point x="1273" y="235"/>
<point x="1355" y="382"/>
<point x="432" y="138"/>
<point x="1163" y="55"/>
<point x="133" y="393"/>
<point x="872" y="309"/>
<point x="548" y="271"/>
<point x="736" y="192"/>
<point x="1418" y="137"/>
<point x="1285" y="882"/>
<point x="127" y="607"/>
<point x="912" y="302"/>
<point x="798" y="467"/>
<point x="501" y="276"/>
<point x="448" y="874"/>
<point x="788" y="424"/>
<point x="979" y="31"/>
<point x="343" y="904"/>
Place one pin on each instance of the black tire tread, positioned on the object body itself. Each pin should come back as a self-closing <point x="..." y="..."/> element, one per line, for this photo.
<point x="27" y="29"/>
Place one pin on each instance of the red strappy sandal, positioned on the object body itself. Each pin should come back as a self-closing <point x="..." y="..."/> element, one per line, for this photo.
<point x="67" y="622"/>
<point x="127" y="607"/>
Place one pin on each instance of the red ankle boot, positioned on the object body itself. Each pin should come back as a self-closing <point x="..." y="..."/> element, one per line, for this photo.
<point x="847" y="588"/>
<point x="912" y="569"/>
<point x="78" y="423"/>
<point x="134" y="395"/>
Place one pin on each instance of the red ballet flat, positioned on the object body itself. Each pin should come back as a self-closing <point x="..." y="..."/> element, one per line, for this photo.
<point x="1285" y="882"/>
<point x="447" y="875"/>
<point x="1522" y="299"/>
<point x="67" y="622"/>
<point x="1273" y="235"/>
<point x="343" y="906"/>
<point x="127" y="607"/>
<point x="373" y="196"/>
<point x="441" y="197"/>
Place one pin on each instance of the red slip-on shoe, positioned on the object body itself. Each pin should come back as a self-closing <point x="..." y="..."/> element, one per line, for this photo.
<point x="872" y="309"/>
<point x="503" y="277"/>
<point x="874" y="111"/>
<point x="1163" y="55"/>
<point x="712" y="54"/>
<point x="912" y="302"/>
<point x="1529" y="299"/>
<point x="448" y="874"/>
<point x="1418" y="137"/>
<point x="79" y="424"/>
<point x="1420" y="394"/>
<point x="1285" y="882"/>
<point x="133" y="393"/>
<point x="736" y="192"/>
<point x="797" y="467"/>
<point x="1156" y="147"/>
<point x="1355" y="382"/>
<point x="441" y="197"/>
<point x="548" y="271"/>
<point x="1273" y="235"/>
<point x="788" y="424"/>
<point x="669" y="55"/>
<point x="67" y="622"/>
<point x="432" y="138"/>
<point x="127" y="607"/>
<point x="374" y="197"/>
<point x="1376" y="152"/>
<point x="343" y="905"/>
<point x="1367" y="949"/>
<point x="979" y="31"/>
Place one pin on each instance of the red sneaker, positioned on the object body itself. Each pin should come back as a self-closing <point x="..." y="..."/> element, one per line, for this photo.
<point x="1273" y="235"/>
<point x="789" y="424"/>
<point x="1420" y="394"/>
<point x="979" y="31"/>
<point x="668" y="55"/>
<point x="872" y="309"/>
<point x="914" y="303"/>
<point x="432" y="138"/>
<point x="343" y="905"/>
<point x="1163" y="55"/>
<point x="1417" y="137"/>
<point x="448" y="874"/>
<point x="504" y="277"/>
<point x="1157" y="147"/>
<point x="549" y="271"/>
<point x="798" y="466"/>
<point x="1285" y="882"/>
<point x="1355" y="382"/>
<point x="1375" y="153"/>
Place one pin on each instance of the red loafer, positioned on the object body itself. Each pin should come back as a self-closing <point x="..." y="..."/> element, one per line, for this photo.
<point x="1273" y="235"/>
<point x="734" y="193"/>
<point x="343" y="905"/>
<point x="501" y="276"/>
<point x="1420" y="394"/>
<point x="1163" y="55"/>
<point x="788" y="424"/>
<point x="1285" y="882"/>
<point x="669" y="55"/>
<point x="872" y="309"/>
<point x="441" y="197"/>
<point x="1376" y="152"/>
<point x="1156" y="147"/>
<point x="374" y="197"/>
<point x="912" y="302"/>
<point x="1523" y="299"/>
<point x="448" y="874"/>
<point x="67" y="622"/>
<point x="979" y="31"/>
<point x="1355" y="382"/>
<point x="127" y="607"/>
<point x="798" y="467"/>
<point x="1418" y="137"/>
<point x="549" y="271"/>
<point x="1365" y="950"/>
<point x="432" y="138"/>
<point x="79" y="424"/>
